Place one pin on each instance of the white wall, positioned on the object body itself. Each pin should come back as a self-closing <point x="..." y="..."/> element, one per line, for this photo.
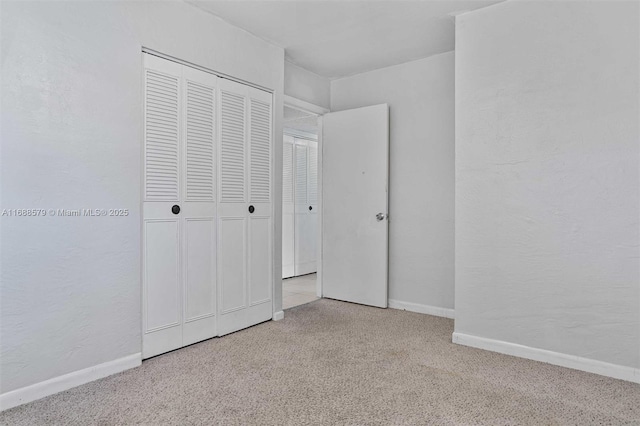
<point x="420" y="95"/>
<point x="306" y="86"/>
<point x="71" y="138"/>
<point x="547" y="177"/>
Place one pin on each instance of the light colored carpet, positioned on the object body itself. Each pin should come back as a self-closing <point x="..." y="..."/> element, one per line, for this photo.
<point x="331" y="362"/>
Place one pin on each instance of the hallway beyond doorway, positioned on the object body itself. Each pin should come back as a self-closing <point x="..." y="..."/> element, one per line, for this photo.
<point x="298" y="290"/>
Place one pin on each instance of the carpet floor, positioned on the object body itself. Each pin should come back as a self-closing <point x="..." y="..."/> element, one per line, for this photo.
<point x="331" y="362"/>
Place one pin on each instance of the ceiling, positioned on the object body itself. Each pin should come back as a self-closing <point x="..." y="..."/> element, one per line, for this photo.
<point x="339" y="38"/>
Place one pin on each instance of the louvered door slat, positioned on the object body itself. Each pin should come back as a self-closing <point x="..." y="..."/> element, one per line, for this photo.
<point x="260" y="151"/>
<point x="287" y="173"/>
<point x="313" y="174"/>
<point x="232" y="144"/>
<point x="200" y="142"/>
<point x="161" y="136"/>
<point x="301" y="174"/>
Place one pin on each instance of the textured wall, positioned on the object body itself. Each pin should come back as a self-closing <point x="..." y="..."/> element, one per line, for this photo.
<point x="547" y="184"/>
<point x="71" y="138"/>
<point x="420" y="95"/>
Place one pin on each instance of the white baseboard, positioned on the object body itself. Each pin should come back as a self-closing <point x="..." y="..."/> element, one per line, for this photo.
<point x="67" y="381"/>
<point x="277" y="316"/>
<point x="422" y="309"/>
<point x="556" y="358"/>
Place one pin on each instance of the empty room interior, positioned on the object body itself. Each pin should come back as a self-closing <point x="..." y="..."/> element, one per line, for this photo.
<point x="320" y="212"/>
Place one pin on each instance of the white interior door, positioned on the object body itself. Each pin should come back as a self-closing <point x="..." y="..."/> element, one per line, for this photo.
<point x="355" y="170"/>
<point x="179" y="298"/>
<point x="288" y="208"/>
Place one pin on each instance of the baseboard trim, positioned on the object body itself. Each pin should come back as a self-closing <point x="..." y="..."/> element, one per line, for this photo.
<point x="67" y="381"/>
<point x="556" y="358"/>
<point x="422" y="309"/>
<point x="277" y="316"/>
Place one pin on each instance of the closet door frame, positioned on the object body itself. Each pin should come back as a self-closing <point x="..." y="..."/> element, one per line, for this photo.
<point x="319" y="112"/>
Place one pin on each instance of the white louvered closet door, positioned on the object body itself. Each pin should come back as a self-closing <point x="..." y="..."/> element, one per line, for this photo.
<point x="306" y="206"/>
<point x="198" y="208"/>
<point x="244" y="220"/>
<point x="288" y="208"/>
<point x="179" y="298"/>
<point x="312" y="210"/>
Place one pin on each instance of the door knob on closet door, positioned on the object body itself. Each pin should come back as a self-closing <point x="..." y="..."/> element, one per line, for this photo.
<point x="175" y="209"/>
<point x="310" y="208"/>
<point x="252" y="209"/>
<point x="380" y="217"/>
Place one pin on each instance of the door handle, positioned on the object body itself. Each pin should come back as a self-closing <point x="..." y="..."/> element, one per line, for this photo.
<point x="252" y="209"/>
<point x="175" y="209"/>
<point x="310" y="208"/>
<point x="381" y="216"/>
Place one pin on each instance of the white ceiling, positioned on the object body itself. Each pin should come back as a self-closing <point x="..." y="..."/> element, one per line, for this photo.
<point x="340" y="38"/>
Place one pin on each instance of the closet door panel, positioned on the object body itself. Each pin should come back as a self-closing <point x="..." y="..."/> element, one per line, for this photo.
<point x="287" y="170"/>
<point x="232" y="264"/>
<point x="312" y="211"/>
<point x="301" y="190"/>
<point x="162" y="98"/>
<point x="306" y="207"/>
<point x="162" y="319"/>
<point x="199" y="280"/>
<point x="260" y="225"/>
<point x="198" y="208"/>
<point x="306" y="230"/>
<point x="260" y="153"/>
<point x="301" y="169"/>
<point x="199" y="137"/>
<point x="288" y="243"/>
<point x="312" y="180"/>
<point x="288" y="209"/>
<point x="199" y="268"/>
<point x="259" y="260"/>
<point x="162" y="277"/>
<point x="162" y="283"/>
<point x="232" y="207"/>
<point x="162" y="116"/>
<point x="232" y="144"/>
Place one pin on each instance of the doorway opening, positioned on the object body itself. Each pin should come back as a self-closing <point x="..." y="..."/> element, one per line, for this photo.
<point x="335" y="204"/>
<point x="300" y="207"/>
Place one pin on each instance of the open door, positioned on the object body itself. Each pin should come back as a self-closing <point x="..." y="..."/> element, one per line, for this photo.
<point x="355" y="182"/>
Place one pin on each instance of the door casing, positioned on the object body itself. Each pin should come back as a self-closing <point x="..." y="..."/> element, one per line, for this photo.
<point x="319" y="112"/>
